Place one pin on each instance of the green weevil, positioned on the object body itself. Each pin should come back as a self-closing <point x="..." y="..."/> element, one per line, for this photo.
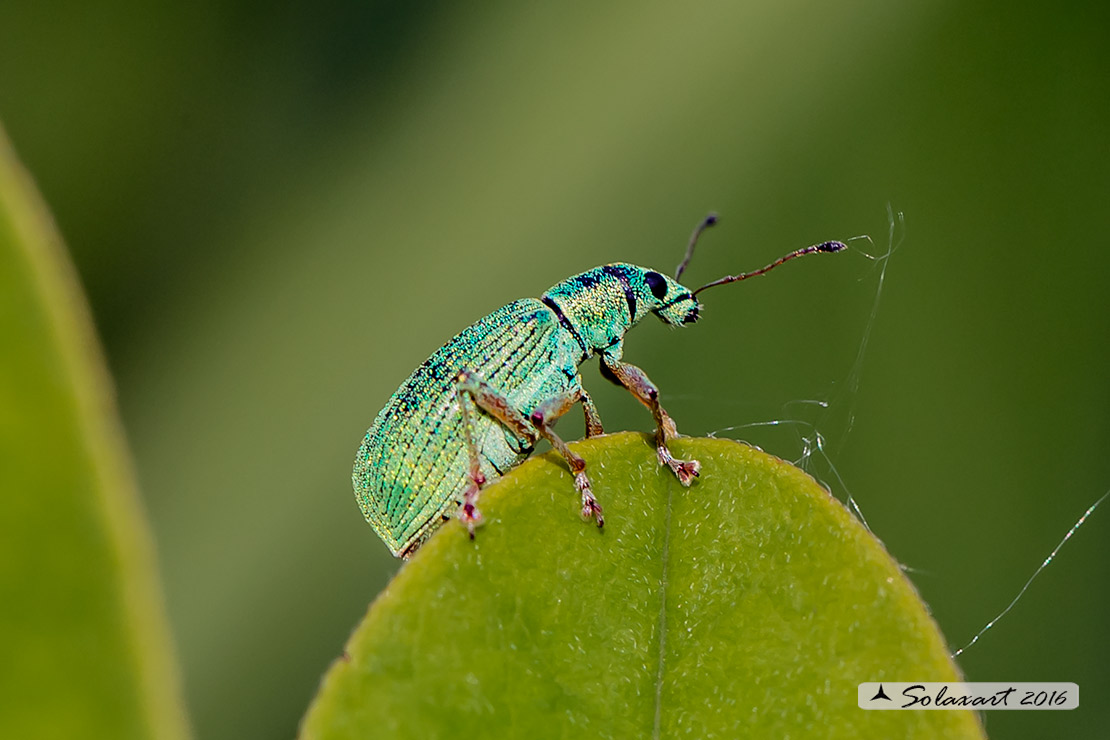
<point x="477" y="406"/>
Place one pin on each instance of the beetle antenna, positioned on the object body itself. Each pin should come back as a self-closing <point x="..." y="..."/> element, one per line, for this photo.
<point x="705" y="224"/>
<point x="822" y="247"/>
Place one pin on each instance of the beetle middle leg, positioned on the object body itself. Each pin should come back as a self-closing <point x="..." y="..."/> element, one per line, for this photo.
<point x="546" y="414"/>
<point x="638" y="383"/>
<point x="593" y="419"/>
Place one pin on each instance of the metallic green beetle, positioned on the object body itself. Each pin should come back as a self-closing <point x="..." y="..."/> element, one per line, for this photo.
<point x="476" y="408"/>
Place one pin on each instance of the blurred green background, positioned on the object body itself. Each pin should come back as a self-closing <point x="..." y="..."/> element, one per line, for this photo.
<point x="279" y="211"/>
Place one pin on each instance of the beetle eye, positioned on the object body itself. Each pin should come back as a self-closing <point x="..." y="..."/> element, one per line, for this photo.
<point x="657" y="284"/>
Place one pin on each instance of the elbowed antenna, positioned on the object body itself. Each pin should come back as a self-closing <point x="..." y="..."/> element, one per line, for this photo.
<point x="822" y="247"/>
<point x="705" y="224"/>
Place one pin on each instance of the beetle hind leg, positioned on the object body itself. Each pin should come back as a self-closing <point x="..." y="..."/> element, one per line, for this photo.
<point x="471" y="389"/>
<point x="544" y="416"/>
<point x="468" y="512"/>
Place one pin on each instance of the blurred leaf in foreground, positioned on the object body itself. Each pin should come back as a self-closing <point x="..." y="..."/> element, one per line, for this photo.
<point x="749" y="605"/>
<point x="85" y="647"/>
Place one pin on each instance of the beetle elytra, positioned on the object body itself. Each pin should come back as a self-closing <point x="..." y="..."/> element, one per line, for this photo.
<point x="476" y="407"/>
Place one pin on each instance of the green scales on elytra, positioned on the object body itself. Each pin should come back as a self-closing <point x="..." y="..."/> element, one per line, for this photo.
<point x="475" y="408"/>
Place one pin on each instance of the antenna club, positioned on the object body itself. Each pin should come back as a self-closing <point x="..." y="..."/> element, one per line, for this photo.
<point x="832" y="247"/>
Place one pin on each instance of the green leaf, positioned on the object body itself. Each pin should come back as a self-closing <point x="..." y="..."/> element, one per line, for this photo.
<point x="748" y="605"/>
<point x="85" y="647"/>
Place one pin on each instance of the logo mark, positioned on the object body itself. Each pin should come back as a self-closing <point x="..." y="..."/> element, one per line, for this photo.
<point x="881" y="694"/>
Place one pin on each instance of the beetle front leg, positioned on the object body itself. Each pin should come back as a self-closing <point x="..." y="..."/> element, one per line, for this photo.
<point x="470" y="388"/>
<point x="637" y="382"/>
<point x="543" y="417"/>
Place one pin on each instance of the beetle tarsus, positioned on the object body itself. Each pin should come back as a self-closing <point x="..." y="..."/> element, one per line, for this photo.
<point x="684" y="470"/>
<point x="591" y="509"/>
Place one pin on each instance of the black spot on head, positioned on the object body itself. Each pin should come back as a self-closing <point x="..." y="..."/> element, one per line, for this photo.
<point x="657" y="284"/>
<point x="691" y="317"/>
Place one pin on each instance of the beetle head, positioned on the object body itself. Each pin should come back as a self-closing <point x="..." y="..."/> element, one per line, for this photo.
<point x="668" y="299"/>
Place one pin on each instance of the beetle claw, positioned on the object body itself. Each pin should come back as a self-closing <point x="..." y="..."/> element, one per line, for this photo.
<point x="686" y="470"/>
<point x="590" y="509"/>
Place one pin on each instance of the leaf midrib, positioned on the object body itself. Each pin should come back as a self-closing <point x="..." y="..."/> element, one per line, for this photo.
<point x="663" y="582"/>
